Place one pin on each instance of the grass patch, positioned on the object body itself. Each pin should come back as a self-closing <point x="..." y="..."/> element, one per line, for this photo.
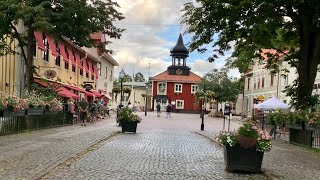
<point x="314" y="150"/>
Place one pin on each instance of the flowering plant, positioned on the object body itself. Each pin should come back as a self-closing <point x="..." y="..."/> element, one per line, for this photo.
<point x="127" y="115"/>
<point x="13" y="103"/>
<point x="54" y="105"/>
<point x="35" y="100"/>
<point x="247" y="136"/>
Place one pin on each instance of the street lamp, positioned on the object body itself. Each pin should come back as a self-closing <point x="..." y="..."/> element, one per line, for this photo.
<point x="121" y="76"/>
<point x="203" y="107"/>
<point x="146" y="106"/>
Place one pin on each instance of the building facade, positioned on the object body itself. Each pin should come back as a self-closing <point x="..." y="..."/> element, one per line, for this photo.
<point x="261" y="84"/>
<point x="177" y="85"/>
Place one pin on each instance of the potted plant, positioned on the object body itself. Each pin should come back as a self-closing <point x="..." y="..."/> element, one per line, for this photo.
<point x="53" y="106"/>
<point x="128" y="120"/>
<point x="36" y="103"/>
<point x="244" y="148"/>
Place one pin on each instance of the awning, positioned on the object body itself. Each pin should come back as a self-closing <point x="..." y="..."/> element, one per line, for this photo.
<point x="39" y="38"/>
<point x="62" y="91"/>
<point x="63" y="52"/>
<point x="85" y="65"/>
<point x="107" y="96"/>
<point x="88" y="93"/>
<point x="77" y="56"/>
<point x="71" y="57"/>
<point x="96" y="94"/>
<point x="52" y="45"/>
<point x="40" y="83"/>
<point x="76" y="89"/>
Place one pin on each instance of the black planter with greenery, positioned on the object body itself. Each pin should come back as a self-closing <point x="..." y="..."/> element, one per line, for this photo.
<point x="128" y="120"/>
<point x="242" y="159"/>
<point x="129" y="127"/>
<point x="8" y="113"/>
<point x="35" y="111"/>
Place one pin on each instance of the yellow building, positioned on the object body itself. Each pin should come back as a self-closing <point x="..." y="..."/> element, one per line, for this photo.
<point x="73" y="66"/>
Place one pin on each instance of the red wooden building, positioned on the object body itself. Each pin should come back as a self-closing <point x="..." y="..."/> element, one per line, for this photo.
<point x="177" y="84"/>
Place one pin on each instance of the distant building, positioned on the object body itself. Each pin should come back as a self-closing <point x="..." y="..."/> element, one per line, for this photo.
<point x="177" y="84"/>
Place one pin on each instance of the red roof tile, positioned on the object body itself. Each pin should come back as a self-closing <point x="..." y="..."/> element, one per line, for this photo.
<point x="164" y="76"/>
<point x="267" y="52"/>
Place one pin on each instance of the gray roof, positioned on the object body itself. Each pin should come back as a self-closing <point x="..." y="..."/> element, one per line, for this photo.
<point x="135" y="84"/>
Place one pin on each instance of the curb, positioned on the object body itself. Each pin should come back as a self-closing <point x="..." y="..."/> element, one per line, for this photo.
<point x="74" y="156"/>
<point x="265" y="173"/>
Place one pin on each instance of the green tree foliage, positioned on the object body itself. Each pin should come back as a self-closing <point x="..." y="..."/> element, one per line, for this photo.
<point x="75" y="20"/>
<point x="139" y="77"/>
<point x="225" y="88"/>
<point x="291" y="27"/>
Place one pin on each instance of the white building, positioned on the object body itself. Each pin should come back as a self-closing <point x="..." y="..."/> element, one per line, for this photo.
<point x="105" y="68"/>
<point x="260" y="84"/>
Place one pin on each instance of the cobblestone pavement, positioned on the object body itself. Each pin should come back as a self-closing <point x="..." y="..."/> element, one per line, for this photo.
<point x="27" y="155"/>
<point x="151" y="154"/>
<point x="162" y="148"/>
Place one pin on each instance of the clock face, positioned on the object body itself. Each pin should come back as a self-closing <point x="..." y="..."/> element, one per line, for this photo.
<point x="179" y="71"/>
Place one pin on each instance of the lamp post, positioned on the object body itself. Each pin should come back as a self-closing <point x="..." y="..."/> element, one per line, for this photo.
<point x="146" y="104"/>
<point x="203" y="107"/>
<point x="121" y="76"/>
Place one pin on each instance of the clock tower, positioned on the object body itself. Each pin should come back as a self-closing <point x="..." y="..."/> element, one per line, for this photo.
<point x="179" y="54"/>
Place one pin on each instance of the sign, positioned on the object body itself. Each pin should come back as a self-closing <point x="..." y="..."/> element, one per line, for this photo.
<point x="49" y="74"/>
<point x="226" y="109"/>
<point x="88" y="87"/>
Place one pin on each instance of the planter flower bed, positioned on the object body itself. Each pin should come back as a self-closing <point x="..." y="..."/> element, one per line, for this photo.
<point x="128" y="120"/>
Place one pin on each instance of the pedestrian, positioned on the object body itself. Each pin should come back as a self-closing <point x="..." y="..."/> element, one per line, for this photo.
<point x="135" y="107"/>
<point x="168" y="110"/>
<point x="83" y="107"/>
<point x="129" y="106"/>
<point x="94" y="110"/>
<point x="158" y="109"/>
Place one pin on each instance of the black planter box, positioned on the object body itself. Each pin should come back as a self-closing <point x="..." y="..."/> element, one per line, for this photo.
<point x="241" y="159"/>
<point x="35" y="111"/>
<point x="129" y="126"/>
<point x="8" y="113"/>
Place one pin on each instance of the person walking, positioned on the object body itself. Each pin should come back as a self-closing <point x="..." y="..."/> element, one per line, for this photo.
<point x="168" y="110"/>
<point x="83" y="107"/>
<point x="158" y="109"/>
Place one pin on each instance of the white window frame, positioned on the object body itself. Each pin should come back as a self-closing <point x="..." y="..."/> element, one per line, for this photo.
<point x="179" y="104"/>
<point x="163" y="92"/>
<point x="194" y="88"/>
<point x="179" y="90"/>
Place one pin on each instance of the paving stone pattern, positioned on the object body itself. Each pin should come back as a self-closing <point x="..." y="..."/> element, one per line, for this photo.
<point x="27" y="155"/>
<point x="152" y="154"/>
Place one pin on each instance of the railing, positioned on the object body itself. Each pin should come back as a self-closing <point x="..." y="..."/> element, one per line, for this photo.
<point x="15" y="124"/>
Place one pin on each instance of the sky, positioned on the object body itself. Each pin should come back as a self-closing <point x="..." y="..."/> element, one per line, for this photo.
<point x="152" y="29"/>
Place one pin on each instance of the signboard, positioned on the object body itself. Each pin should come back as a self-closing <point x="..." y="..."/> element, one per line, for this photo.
<point x="50" y="74"/>
<point x="88" y="87"/>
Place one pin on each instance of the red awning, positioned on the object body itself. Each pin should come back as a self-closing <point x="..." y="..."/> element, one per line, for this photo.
<point x="90" y="67"/>
<point x="96" y="94"/>
<point x="77" y="56"/>
<point x="39" y="38"/>
<point x="88" y="93"/>
<point x="71" y="57"/>
<point x="76" y="89"/>
<point x="52" y="45"/>
<point x="85" y="65"/>
<point x="40" y="83"/>
<point x="62" y="91"/>
<point x="95" y="70"/>
<point x="63" y="52"/>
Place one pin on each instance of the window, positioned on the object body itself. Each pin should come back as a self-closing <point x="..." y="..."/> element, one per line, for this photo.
<point x="254" y="86"/>
<point x="262" y="83"/>
<point x="45" y="53"/>
<point x="99" y="68"/>
<point x="92" y="77"/>
<point x="73" y="68"/>
<point x="248" y="84"/>
<point x="81" y="72"/>
<point x="179" y="104"/>
<point x="285" y="80"/>
<point x="34" y="47"/>
<point x="106" y="74"/>
<point x="272" y="79"/>
<point x="111" y="75"/>
<point x="194" y="89"/>
<point x="162" y="88"/>
<point x="66" y="65"/>
<point x="258" y="83"/>
<point x="87" y="75"/>
<point x="178" y="88"/>
<point x="58" y="58"/>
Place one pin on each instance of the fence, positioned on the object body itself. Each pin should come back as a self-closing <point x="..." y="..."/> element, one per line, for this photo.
<point x="16" y="124"/>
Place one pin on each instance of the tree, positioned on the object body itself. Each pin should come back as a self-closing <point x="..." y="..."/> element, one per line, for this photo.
<point x="75" y="20"/>
<point x="127" y="78"/>
<point x="224" y="88"/>
<point x="139" y="77"/>
<point x="291" y="27"/>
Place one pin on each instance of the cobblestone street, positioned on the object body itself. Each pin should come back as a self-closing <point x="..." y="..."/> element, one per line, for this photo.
<point x="162" y="148"/>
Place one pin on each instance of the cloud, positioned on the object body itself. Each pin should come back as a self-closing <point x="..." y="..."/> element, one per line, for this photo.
<point x="152" y="28"/>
